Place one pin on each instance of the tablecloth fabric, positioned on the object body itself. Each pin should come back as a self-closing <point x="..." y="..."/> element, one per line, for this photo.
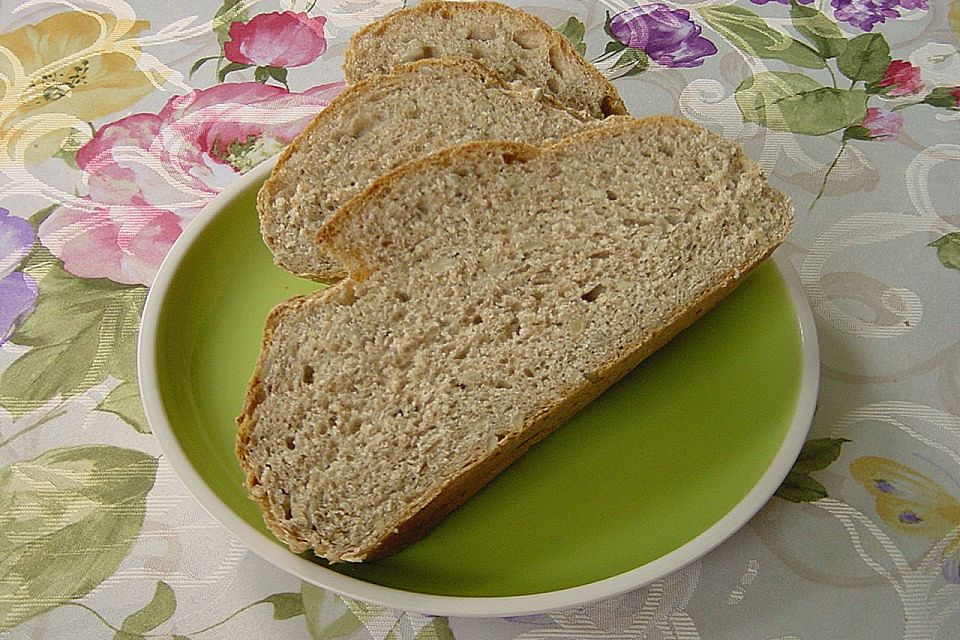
<point x="120" y="120"/>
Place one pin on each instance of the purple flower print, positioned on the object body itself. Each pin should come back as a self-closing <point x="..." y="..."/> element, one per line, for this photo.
<point x="882" y="124"/>
<point x="18" y="291"/>
<point x="884" y="485"/>
<point x="909" y="517"/>
<point x="864" y="14"/>
<point x="16" y="239"/>
<point x="667" y="35"/>
<point x="780" y="1"/>
<point x="18" y="294"/>
<point x="951" y="569"/>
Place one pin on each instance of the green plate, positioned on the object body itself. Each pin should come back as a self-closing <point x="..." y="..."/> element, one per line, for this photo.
<point x="655" y="462"/>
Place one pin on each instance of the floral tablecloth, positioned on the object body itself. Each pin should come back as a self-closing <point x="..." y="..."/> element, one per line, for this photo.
<point x="120" y="120"/>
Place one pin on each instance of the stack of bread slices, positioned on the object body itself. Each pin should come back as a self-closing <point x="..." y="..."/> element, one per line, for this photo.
<point x="504" y="243"/>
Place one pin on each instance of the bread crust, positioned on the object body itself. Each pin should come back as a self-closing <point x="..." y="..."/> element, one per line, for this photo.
<point x="359" y="269"/>
<point x="254" y="396"/>
<point x="421" y="516"/>
<point x="245" y="421"/>
<point x="611" y="101"/>
<point x="332" y="271"/>
<point x="420" y="520"/>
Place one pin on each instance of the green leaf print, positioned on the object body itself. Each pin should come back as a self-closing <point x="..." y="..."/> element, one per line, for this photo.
<point x="343" y="627"/>
<point x="42" y="214"/>
<point x="366" y="612"/>
<point x="285" y="605"/>
<point x="81" y="331"/>
<point x="942" y="97"/>
<point x="818" y="29"/>
<point x="69" y="147"/>
<point x="229" y="12"/>
<point x="574" y="30"/>
<point x="799" y="487"/>
<point x="124" y="402"/>
<point x="26" y="384"/>
<point x="607" y="28"/>
<point x="634" y="61"/>
<point x="199" y="63"/>
<point x="154" y="614"/>
<point x="857" y="132"/>
<point x="613" y="47"/>
<point x="816" y="454"/>
<point x="437" y="629"/>
<point x="327" y="616"/>
<point x="750" y="33"/>
<point x="865" y="58"/>
<point x="67" y="519"/>
<point x="279" y="74"/>
<point x="230" y="68"/>
<point x="948" y="249"/>
<point x="954" y="16"/>
<point x="793" y="102"/>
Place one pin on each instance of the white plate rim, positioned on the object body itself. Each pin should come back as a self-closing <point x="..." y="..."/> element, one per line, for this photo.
<point x="460" y="606"/>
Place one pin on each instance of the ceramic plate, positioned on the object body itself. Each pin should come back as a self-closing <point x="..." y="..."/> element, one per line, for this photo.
<point x="659" y="470"/>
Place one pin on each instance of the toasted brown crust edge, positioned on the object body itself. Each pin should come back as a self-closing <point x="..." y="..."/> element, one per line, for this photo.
<point x="612" y="104"/>
<point x="421" y="517"/>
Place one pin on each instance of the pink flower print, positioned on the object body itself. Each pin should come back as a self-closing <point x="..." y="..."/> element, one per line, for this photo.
<point x="240" y="124"/>
<point x="124" y="244"/>
<point x="284" y="39"/>
<point x="140" y="161"/>
<point x="882" y="124"/>
<point x="149" y="174"/>
<point x="900" y="79"/>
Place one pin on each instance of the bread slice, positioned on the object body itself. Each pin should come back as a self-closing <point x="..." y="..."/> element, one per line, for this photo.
<point x="376" y="125"/>
<point x="517" y="45"/>
<point x="495" y="288"/>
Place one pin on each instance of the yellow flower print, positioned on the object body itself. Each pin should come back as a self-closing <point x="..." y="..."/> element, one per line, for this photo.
<point x="66" y="70"/>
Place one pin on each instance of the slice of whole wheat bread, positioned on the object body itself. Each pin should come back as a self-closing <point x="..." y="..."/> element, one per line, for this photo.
<point x="375" y="126"/>
<point x="495" y="288"/>
<point x="517" y="45"/>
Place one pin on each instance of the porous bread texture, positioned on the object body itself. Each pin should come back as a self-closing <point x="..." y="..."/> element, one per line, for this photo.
<point x="495" y="288"/>
<point x="517" y="45"/>
<point x="375" y="126"/>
